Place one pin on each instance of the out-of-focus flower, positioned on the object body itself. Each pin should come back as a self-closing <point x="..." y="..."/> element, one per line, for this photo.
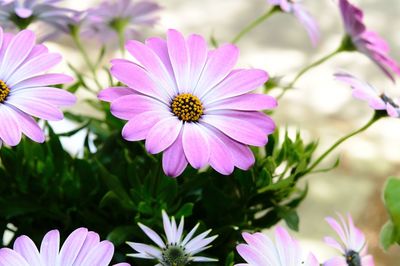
<point x="366" y="41"/>
<point x="113" y="17"/>
<point x="260" y="250"/>
<point x="176" y="250"/>
<point x="22" y="13"/>
<point x="25" y="89"/>
<point x="186" y="101"/>
<point x="366" y="92"/>
<point x="297" y="9"/>
<point x="82" y="247"/>
<point x="352" y="246"/>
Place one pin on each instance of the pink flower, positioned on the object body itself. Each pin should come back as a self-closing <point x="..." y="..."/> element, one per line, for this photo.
<point x="295" y="7"/>
<point x="25" y="89"/>
<point x="82" y="247"/>
<point x="365" y="41"/>
<point x="352" y="246"/>
<point x="366" y="92"/>
<point x="112" y="16"/>
<point x="186" y="101"/>
<point x="260" y="250"/>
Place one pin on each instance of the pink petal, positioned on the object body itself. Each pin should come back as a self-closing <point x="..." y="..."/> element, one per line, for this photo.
<point x="153" y="64"/>
<point x="91" y="241"/>
<point x="178" y="54"/>
<point x="36" y="107"/>
<point x="10" y="131"/>
<point x="336" y="261"/>
<point x="238" y="82"/>
<point x="174" y="161"/>
<point x="10" y="257"/>
<point x="198" y="53"/>
<point x="23" y="12"/>
<point x="251" y="256"/>
<point x="159" y="46"/>
<point x="152" y="235"/>
<point x="72" y="246"/>
<point x="139" y="126"/>
<point x="195" y="145"/>
<point x="42" y="80"/>
<point x="138" y="79"/>
<point x="101" y="254"/>
<point x="367" y="261"/>
<point x="50" y="247"/>
<point x="28" y="125"/>
<point x="308" y="22"/>
<point x="57" y="97"/>
<point x="219" y="63"/>
<point x="163" y="134"/>
<point x="245" y="102"/>
<point x="25" y="246"/>
<point x="126" y="107"/>
<point x="113" y="93"/>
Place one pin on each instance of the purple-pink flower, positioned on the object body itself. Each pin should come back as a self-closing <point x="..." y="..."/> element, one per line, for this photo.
<point x="113" y="16"/>
<point x="366" y="41"/>
<point x="304" y="17"/>
<point x="260" y="250"/>
<point x="25" y="87"/>
<point x="187" y="102"/>
<point x="82" y="247"/>
<point x="366" y="92"/>
<point x="352" y="244"/>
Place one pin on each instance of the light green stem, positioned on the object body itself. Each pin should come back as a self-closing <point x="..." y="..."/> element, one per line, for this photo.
<point x="254" y="24"/>
<point x="341" y="140"/>
<point x="121" y="40"/>
<point x="78" y="43"/>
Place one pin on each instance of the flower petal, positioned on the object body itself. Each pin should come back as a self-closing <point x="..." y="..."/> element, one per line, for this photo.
<point x="10" y="257"/>
<point x="178" y="54"/>
<point x="163" y="134"/>
<point x="195" y="145"/>
<point x="139" y="126"/>
<point x="35" y="107"/>
<point x="72" y="246"/>
<point x="28" y="125"/>
<point x="113" y="93"/>
<point x="10" y="131"/>
<point x="174" y="161"/>
<point x="100" y="254"/>
<point x="25" y="246"/>
<point x="50" y="247"/>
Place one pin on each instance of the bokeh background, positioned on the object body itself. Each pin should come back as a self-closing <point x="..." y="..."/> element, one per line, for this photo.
<point x="320" y="106"/>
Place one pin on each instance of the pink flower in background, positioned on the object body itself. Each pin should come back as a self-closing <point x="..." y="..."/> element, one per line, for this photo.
<point x="112" y="16"/>
<point x="177" y="250"/>
<point x="365" y="41"/>
<point x="260" y="250"/>
<point x="25" y="88"/>
<point x="186" y="101"/>
<point x="24" y="12"/>
<point x="302" y="15"/>
<point x="82" y="247"/>
<point x="352" y="246"/>
<point x="366" y="92"/>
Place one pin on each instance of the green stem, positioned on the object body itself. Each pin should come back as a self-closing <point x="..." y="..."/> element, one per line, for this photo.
<point x="78" y="43"/>
<point x="341" y="140"/>
<point x="121" y="40"/>
<point x="254" y="24"/>
<point x="307" y="68"/>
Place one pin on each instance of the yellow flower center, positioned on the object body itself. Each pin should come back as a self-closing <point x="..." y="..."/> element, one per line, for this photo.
<point x="187" y="107"/>
<point x="4" y="91"/>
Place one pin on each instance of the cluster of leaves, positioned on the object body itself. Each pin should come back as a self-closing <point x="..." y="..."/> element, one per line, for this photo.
<point x="118" y="184"/>
<point x="390" y="233"/>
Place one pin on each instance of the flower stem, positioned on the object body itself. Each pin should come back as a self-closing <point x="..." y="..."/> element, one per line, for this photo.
<point x="78" y="43"/>
<point x="254" y="24"/>
<point x="121" y="40"/>
<point x="341" y="140"/>
<point x="307" y="68"/>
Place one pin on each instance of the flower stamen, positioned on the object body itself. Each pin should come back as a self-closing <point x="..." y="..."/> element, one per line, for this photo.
<point x="187" y="107"/>
<point x="4" y="91"/>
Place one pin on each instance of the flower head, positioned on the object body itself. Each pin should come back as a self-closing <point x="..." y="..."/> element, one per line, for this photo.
<point x="260" y="250"/>
<point x="177" y="250"/>
<point x="352" y="246"/>
<point x="24" y="12"/>
<point x="114" y="16"/>
<point x="25" y="88"/>
<point x="366" y="41"/>
<point x="295" y="7"/>
<point x="82" y="247"/>
<point x="186" y="101"/>
<point x="366" y="92"/>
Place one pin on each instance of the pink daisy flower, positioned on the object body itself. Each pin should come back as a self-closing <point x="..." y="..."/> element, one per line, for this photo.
<point x="177" y="250"/>
<point x="352" y="246"/>
<point x="112" y="16"/>
<point x="296" y="8"/>
<point x="366" y="41"/>
<point x="24" y="12"/>
<point x="82" y="247"/>
<point x="188" y="102"/>
<point x="366" y="92"/>
<point x="25" y="88"/>
<point x="260" y="250"/>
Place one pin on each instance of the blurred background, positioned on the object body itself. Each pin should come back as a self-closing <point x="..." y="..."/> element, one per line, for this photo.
<point x="320" y="106"/>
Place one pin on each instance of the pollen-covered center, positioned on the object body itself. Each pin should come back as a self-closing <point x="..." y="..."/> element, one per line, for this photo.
<point x="187" y="107"/>
<point x="353" y="258"/>
<point x="4" y="91"/>
<point x="174" y="256"/>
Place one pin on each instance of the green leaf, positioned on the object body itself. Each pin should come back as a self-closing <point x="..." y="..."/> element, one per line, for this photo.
<point x="291" y="218"/>
<point x="391" y="197"/>
<point x="388" y="235"/>
<point x="230" y="259"/>
<point x="121" y="234"/>
<point x="185" y="210"/>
